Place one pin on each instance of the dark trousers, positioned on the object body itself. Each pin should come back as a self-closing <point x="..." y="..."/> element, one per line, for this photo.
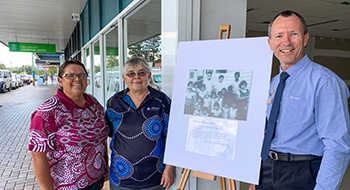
<point x="283" y="175"/>
<point x="95" y="186"/>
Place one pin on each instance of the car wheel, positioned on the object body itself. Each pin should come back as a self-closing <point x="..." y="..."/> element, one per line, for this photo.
<point x="9" y="89"/>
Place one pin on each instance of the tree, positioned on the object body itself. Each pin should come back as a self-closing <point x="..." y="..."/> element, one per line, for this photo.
<point x="148" y="49"/>
<point x="2" y="66"/>
<point x="112" y="63"/>
<point x="27" y="68"/>
<point x="97" y="68"/>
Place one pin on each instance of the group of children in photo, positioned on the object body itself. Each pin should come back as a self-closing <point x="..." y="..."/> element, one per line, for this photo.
<point x="229" y="101"/>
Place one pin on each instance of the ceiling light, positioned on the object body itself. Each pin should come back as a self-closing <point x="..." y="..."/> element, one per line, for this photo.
<point x="266" y="22"/>
<point x="341" y="29"/>
<point x="320" y="23"/>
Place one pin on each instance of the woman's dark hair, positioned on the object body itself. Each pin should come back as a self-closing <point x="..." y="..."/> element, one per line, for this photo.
<point x="242" y="82"/>
<point x="223" y="90"/>
<point x="65" y="64"/>
<point x="69" y="62"/>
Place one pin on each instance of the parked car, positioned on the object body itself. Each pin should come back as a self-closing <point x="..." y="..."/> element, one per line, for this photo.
<point x="112" y="81"/>
<point x="20" y="81"/>
<point x="156" y="80"/>
<point x="14" y="81"/>
<point x="5" y="80"/>
<point x="26" y="78"/>
<point x="98" y="80"/>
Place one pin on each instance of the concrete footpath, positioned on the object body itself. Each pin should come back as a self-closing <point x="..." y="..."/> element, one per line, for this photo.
<point x="16" y="107"/>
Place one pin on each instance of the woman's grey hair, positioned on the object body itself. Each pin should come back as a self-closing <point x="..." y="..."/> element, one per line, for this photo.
<point x="288" y="13"/>
<point x="136" y="62"/>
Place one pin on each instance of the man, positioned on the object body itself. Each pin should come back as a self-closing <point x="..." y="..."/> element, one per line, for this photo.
<point x="236" y="82"/>
<point x="208" y="82"/>
<point x="310" y="146"/>
<point x="220" y="84"/>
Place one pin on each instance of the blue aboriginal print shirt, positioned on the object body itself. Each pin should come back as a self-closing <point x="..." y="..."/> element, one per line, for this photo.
<point x="138" y="138"/>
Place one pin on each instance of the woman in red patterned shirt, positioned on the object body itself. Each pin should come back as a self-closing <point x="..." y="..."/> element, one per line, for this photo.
<point x="68" y="135"/>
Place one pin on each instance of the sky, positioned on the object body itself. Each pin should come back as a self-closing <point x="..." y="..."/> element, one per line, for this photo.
<point x="17" y="59"/>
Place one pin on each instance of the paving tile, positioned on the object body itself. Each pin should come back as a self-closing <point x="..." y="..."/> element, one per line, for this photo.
<point x="3" y="183"/>
<point x="16" y="170"/>
<point x="10" y="185"/>
<point x="19" y="186"/>
<point x="28" y="187"/>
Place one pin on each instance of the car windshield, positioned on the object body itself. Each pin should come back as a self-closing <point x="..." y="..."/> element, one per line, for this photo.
<point x="157" y="78"/>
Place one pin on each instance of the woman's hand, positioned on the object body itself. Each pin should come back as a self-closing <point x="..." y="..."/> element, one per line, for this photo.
<point x="251" y="187"/>
<point x="167" y="177"/>
<point x="106" y="176"/>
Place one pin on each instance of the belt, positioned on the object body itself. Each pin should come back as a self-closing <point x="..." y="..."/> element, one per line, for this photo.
<point x="290" y="157"/>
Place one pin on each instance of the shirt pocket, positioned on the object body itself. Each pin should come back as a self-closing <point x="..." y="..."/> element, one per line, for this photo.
<point x="296" y="108"/>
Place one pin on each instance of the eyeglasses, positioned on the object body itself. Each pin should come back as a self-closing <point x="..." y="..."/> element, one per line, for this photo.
<point x="141" y="74"/>
<point x="73" y="75"/>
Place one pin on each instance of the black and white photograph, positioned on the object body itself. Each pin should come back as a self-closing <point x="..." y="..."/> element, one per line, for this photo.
<point x="218" y="93"/>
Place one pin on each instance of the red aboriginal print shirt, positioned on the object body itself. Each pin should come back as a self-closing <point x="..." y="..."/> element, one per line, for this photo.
<point x="74" y="139"/>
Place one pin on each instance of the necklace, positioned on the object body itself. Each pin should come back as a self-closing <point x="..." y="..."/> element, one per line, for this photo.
<point x="137" y="99"/>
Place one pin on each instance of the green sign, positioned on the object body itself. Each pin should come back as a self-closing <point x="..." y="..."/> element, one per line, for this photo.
<point x="112" y="51"/>
<point x="32" y="47"/>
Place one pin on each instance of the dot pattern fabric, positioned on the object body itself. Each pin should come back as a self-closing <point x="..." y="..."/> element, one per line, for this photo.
<point x="138" y="139"/>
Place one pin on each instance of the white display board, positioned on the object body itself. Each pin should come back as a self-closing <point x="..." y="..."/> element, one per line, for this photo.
<point x="217" y="116"/>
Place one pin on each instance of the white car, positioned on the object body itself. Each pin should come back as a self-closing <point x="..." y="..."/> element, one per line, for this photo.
<point x="15" y="82"/>
<point x="5" y="80"/>
<point x="20" y="81"/>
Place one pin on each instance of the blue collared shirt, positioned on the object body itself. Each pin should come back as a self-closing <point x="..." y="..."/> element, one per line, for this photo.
<point x="314" y="119"/>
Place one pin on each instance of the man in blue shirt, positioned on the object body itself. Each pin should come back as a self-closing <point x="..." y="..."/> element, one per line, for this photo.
<point x="310" y="148"/>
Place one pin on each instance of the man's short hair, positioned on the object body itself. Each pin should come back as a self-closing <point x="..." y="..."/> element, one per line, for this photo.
<point x="288" y="13"/>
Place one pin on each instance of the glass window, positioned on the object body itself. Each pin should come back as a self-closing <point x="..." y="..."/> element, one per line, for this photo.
<point x="97" y="73"/>
<point x="88" y="68"/>
<point x="144" y="39"/>
<point x="112" y="63"/>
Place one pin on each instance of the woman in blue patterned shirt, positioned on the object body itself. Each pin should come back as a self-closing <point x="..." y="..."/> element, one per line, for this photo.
<point x="138" y="119"/>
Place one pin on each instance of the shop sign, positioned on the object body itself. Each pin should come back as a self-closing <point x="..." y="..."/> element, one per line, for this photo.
<point x="32" y="47"/>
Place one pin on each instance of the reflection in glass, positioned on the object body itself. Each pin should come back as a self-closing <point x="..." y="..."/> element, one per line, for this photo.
<point x="88" y="68"/>
<point x="144" y="39"/>
<point x="112" y="64"/>
<point x="97" y="73"/>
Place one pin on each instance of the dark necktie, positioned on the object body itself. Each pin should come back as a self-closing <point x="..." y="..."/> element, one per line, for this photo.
<point x="271" y="123"/>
